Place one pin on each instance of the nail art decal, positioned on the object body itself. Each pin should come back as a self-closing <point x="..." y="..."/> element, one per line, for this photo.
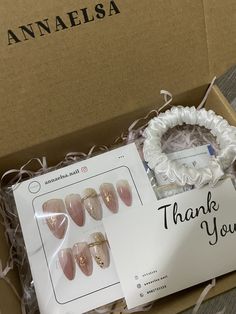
<point x="109" y="196"/>
<point x="99" y="249"/>
<point x="124" y="191"/>
<point x="67" y="263"/>
<point x="56" y="218"/>
<point x="75" y="209"/>
<point x="92" y="203"/>
<point x="83" y="257"/>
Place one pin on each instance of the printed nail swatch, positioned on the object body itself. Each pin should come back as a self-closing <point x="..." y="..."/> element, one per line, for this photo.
<point x="109" y="196"/>
<point x="124" y="191"/>
<point x="92" y="203"/>
<point x="56" y="218"/>
<point x="99" y="249"/>
<point x="75" y="209"/>
<point x="67" y="263"/>
<point x="83" y="258"/>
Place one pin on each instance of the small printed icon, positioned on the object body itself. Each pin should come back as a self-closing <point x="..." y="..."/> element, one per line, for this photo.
<point x="138" y="286"/>
<point x="141" y="295"/>
<point x="34" y="187"/>
<point x="136" y="277"/>
<point x="84" y="169"/>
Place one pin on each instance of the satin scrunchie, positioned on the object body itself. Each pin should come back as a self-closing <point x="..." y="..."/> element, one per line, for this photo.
<point x="181" y="174"/>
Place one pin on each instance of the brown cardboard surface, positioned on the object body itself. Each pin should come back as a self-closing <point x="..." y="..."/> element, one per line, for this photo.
<point x="9" y="304"/>
<point x="171" y="304"/>
<point x="222" y="107"/>
<point x="64" y="90"/>
<point x="8" y="301"/>
<point x="221" y="34"/>
<point x="84" y="139"/>
<point x="70" y="79"/>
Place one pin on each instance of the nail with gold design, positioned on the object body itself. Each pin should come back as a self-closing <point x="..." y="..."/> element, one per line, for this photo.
<point x="124" y="191"/>
<point x="75" y="209"/>
<point x="109" y="196"/>
<point x="67" y="263"/>
<point x="83" y="257"/>
<point x="92" y="203"/>
<point x="99" y="249"/>
<point x="56" y="218"/>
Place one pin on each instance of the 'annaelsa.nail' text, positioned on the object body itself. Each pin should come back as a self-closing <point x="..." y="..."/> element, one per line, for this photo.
<point x="211" y="227"/>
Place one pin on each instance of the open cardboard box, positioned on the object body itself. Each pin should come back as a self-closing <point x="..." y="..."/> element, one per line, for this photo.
<point x="64" y="88"/>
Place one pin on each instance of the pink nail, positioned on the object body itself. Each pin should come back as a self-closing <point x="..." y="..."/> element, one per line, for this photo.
<point x="124" y="191"/>
<point x="75" y="209"/>
<point x="99" y="249"/>
<point x="67" y="263"/>
<point x="92" y="203"/>
<point x="83" y="258"/>
<point x="56" y="218"/>
<point x="109" y="196"/>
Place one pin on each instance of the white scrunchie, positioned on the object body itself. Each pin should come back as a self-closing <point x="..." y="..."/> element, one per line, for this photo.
<point x="182" y="175"/>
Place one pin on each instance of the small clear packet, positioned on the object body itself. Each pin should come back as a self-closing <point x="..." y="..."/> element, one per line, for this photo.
<point x="192" y="146"/>
<point x="197" y="157"/>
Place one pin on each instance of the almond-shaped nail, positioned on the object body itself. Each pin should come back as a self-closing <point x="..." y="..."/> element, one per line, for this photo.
<point x="109" y="196"/>
<point x="99" y="249"/>
<point x="75" y="209"/>
<point x="57" y="221"/>
<point x="92" y="203"/>
<point x="67" y="263"/>
<point x="124" y="191"/>
<point x="83" y="257"/>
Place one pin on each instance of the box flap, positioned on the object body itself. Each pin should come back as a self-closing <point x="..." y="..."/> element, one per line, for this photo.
<point x="221" y="34"/>
<point x="67" y="65"/>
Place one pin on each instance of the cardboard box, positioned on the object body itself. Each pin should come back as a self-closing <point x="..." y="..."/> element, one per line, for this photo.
<point x="70" y="71"/>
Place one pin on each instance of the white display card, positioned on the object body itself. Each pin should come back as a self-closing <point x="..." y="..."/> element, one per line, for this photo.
<point x="55" y="293"/>
<point x="174" y="243"/>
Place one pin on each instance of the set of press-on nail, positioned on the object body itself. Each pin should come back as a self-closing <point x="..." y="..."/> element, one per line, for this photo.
<point x="82" y="254"/>
<point x="55" y="209"/>
<point x="57" y="213"/>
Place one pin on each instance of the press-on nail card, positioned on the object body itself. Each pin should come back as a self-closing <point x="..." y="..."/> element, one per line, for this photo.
<point x="62" y="214"/>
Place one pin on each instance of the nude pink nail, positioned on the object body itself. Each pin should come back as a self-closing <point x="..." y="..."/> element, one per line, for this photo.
<point x="92" y="203"/>
<point x="109" y="196"/>
<point x="124" y="191"/>
<point x="75" y="209"/>
<point x="56" y="218"/>
<point x="67" y="263"/>
<point x="99" y="249"/>
<point x="83" y="257"/>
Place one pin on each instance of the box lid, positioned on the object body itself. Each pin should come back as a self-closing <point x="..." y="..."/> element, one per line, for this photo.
<point x="67" y="65"/>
